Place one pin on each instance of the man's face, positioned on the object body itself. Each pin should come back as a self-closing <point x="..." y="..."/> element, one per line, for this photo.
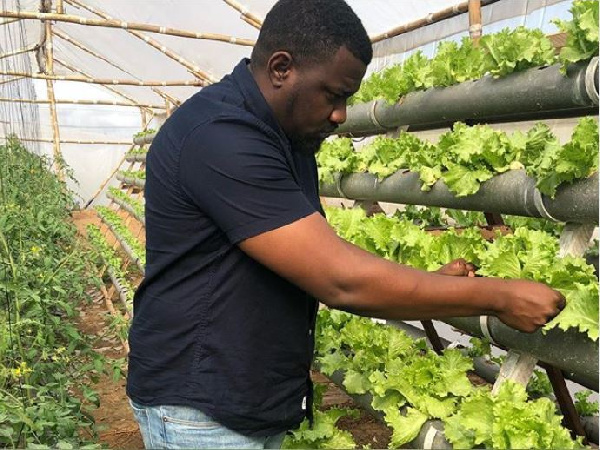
<point x="316" y="99"/>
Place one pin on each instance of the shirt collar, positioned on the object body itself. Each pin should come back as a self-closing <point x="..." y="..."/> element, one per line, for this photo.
<point x="255" y="101"/>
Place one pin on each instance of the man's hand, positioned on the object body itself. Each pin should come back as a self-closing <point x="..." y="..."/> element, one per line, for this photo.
<point x="458" y="268"/>
<point x="309" y="254"/>
<point x="528" y="305"/>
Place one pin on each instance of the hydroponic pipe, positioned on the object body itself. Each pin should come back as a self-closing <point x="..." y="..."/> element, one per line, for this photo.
<point x="536" y="93"/>
<point x="142" y="140"/>
<point x="512" y="192"/>
<point x="136" y="157"/>
<point x="126" y="207"/>
<point x="138" y="182"/>
<point x="571" y="351"/>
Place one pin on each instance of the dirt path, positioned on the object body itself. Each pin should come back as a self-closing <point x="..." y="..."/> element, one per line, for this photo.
<point x="116" y="425"/>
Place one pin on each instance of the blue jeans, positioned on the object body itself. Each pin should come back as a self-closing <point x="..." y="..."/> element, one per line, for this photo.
<point x="183" y="427"/>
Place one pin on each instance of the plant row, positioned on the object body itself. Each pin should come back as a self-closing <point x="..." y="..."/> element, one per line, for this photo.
<point x="126" y="201"/>
<point x="45" y="360"/>
<point x="469" y="155"/>
<point x="497" y="54"/>
<point x="133" y="174"/>
<point x="114" y="264"/>
<point x="128" y="241"/>
<point x="526" y="254"/>
<point x="411" y="384"/>
<point x="141" y="150"/>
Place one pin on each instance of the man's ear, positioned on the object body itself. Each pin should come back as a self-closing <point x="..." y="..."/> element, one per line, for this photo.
<point x="278" y="67"/>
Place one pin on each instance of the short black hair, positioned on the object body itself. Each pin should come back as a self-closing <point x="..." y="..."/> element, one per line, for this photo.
<point x="312" y="31"/>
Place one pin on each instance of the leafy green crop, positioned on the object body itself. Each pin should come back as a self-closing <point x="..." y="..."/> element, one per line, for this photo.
<point x="527" y="254"/>
<point x="583" y="406"/>
<point x="135" y="174"/>
<point x="582" y="33"/>
<point x="124" y="234"/>
<point x="136" y="205"/>
<point x="498" y="54"/>
<point x="411" y="384"/>
<point x="467" y="156"/>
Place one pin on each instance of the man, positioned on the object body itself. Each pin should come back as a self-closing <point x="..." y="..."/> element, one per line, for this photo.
<point x="238" y="248"/>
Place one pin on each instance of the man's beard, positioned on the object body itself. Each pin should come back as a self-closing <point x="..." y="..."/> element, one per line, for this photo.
<point x="303" y="144"/>
<point x="306" y="145"/>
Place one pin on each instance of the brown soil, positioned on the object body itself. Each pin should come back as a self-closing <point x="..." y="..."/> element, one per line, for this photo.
<point x="114" y="420"/>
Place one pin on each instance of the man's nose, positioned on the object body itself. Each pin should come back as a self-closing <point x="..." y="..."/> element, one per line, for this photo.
<point x="338" y="115"/>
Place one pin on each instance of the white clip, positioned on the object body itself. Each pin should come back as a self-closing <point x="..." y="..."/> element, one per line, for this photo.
<point x="429" y="437"/>
<point x="485" y="329"/>
<point x="454" y="344"/>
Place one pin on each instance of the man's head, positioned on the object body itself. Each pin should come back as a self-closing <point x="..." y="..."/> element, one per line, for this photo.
<point x="310" y="56"/>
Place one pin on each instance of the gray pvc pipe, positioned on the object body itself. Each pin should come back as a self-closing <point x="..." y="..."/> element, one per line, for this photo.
<point x="147" y="139"/>
<point x="126" y="207"/>
<point x="138" y="157"/>
<point x="570" y="351"/>
<point x="531" y="94"/>
<point x="512" y="192"/>
<point x="139" y="182"/>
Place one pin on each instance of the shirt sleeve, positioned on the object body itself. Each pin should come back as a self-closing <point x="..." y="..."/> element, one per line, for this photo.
<point x="239" y="177"/>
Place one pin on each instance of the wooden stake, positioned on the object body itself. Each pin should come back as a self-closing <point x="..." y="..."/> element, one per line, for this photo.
<point x="80" y="102"/>
<point x="475" y="21"/>
<point x="113" y="23"/>
<point x="192" y="68"/>
<point x="49" y="70"/>
<point x="41" y="76"/>
<point x="246" y="16"/>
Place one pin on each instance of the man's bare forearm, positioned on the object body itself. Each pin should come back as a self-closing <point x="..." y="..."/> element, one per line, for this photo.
<point x="380" y="288"/>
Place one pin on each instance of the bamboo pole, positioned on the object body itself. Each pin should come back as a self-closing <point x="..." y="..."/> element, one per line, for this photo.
<point x="246" y="16"/>
<point x="475" y="21"/>
<point x="192" y="68"/>
<point x="113" y="23"/>
<point x="6" y="22"/>
<point x="41" y="76"/>
<point x="79" y="102"/>
<point x="11" y="80"/>
<point x="102" y="58"/>
<point x="111" y="89"/>
<point x="144" y="119"/>
<point x="58" y="163"/>
<point x="428" y="20"/>
<point x="31" y="48"/>
<point x="72" y="141"/>
<point x="60" y="7"/>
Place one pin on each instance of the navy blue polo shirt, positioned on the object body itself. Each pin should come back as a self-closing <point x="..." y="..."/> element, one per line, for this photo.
<point x="212" y="328"/>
